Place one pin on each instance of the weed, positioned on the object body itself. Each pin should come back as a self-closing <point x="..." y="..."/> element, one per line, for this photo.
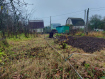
<point x="82" y="34"/>
<point x="87" y="65"/>
<point x="57" y="35"/>
<point x="64" y="45"/>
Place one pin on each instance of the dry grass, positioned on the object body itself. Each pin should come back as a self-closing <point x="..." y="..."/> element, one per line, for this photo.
<point x="34" y="59"/>
<point x="96" y="34"/>
<point x="96" y="59"/>
<point x="92" y="34"/>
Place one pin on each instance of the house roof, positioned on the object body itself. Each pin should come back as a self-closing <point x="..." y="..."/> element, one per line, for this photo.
<point x="35" y="24"/>
<point x="77" y="21"/>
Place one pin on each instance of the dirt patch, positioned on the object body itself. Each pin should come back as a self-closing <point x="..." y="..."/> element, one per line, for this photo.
<point x="88" y="44"/>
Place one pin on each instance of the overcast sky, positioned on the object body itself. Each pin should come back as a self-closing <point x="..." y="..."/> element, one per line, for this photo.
<point x="60" y="10"/>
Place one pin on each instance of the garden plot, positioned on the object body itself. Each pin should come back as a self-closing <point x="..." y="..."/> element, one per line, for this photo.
<point x="88" y="44"/>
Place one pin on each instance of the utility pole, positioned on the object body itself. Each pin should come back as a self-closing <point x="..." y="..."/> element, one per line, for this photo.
<point x="50" y="21"/>
<point x="87" y="22"/>
<point x="84" y="21"/>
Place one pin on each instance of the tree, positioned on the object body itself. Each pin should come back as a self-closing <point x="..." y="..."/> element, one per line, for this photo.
<point x="103" y="20"/>
<point x="95" y="22"/>
<point x="10" y="17"/>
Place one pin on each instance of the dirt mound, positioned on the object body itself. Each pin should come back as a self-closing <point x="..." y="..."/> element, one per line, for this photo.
<point x="88" y="44"/>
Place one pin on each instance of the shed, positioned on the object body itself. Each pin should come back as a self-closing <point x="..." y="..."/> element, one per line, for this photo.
<point x="62" y="29"/>
<point x="36" y="25"/>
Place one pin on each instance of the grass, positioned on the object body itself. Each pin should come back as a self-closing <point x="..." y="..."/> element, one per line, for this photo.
<point x="96" y="34"/>
<point x="92" y="60"/>
<point x="92" y="34"/>
<point x="32" y="58"/>
<point x="20" y="38"/>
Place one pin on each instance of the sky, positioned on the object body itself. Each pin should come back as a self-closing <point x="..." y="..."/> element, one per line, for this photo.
<point x="60" y="10"/>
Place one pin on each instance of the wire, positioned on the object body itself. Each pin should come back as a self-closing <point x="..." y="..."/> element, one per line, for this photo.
<point x="97" y="8"/>
<point x="67" y="13"/>
<point x="64" y="14"/>
<point x="64" y="58"/>
<point x="93" y="9"/>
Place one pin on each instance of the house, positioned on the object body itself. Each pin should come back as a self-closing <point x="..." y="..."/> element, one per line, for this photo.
<point x="54" y="25"/>
<point x="78" y="23"/>
<point x="36" y="25"/>
<point x="62" y="29"/>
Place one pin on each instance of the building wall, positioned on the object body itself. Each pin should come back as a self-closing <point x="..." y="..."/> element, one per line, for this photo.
<point x="78" y="27"/>
<point x="66" y="29"/>
<point x="63" y="29"/>
<point x="40" y="30"/>
<point x="69" y="22"/>
<point x="37" y="30"/>
<point x="74" y="27"/>
<point x="59" y="29"/>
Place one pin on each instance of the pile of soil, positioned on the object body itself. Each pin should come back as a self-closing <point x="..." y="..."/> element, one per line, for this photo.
<point x="88" y="44"/>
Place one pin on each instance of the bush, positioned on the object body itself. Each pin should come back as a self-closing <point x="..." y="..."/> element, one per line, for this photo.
<point x="57" y="34"/>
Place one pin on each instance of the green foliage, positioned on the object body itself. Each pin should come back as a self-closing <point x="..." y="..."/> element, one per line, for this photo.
<point x="87" y="66"/>
<point x="102" y="77"/>
<point x="68" y="25"/>
<point x="64" y="45"/>
<point x="2" y="57"/>
<point x="103" y="32"/>
<point x="57" y="34"/>
<point x="21" y="37"/>
<point x="82" y="34"/>
<point x="96" y="22"/>
<point x="47" y="36"/>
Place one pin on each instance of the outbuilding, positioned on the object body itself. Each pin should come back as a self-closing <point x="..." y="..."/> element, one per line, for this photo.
<point x="36" y="25"/>
<point x="62" y="29"/>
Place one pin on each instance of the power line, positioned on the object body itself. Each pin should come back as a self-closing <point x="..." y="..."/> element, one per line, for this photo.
<point x="97" y="8"/>
<point x="68" y="13"/>
<point x="64" y="14"/>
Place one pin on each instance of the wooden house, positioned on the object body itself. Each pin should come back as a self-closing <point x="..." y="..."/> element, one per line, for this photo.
<point x="78" y="23"/>
<point x="36" y="25"/>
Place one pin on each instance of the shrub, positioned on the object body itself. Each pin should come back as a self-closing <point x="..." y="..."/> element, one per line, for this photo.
<point x="64" y="45"/>
<point x="57" y="34"/>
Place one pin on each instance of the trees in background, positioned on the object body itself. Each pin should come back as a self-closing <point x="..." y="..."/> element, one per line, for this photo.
<point x="96" y="22"/>
<point x="12" y="19"/>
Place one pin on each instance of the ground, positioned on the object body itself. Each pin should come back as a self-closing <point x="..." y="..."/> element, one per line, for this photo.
<point x="33" y="58"/>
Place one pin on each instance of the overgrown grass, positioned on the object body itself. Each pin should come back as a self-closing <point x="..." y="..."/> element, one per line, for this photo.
<point x="21" y="37"/>
<point x="96" y="34"/>
<point x="57" y="34"/>
<point x="80" y="34"/>
<point x="92" y="34"/>
<point x="34" y="59"/>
